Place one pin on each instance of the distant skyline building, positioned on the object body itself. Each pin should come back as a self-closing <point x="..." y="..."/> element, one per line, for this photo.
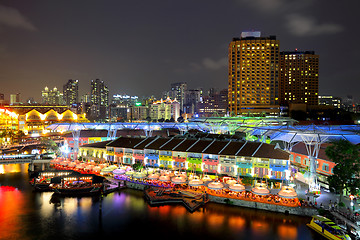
<point x="330" y="100"/>
<point x="214" y="104"/>
<point x="253" y="74"/>
<point x="15" y="98"/>
<point x="52" y="96"/>
<point x="99" y="100"/>
<point x="299" y="78"/>
<point x="177" y="91"/>
<point x="192" y="98"/>
<point x="71" y="92"/>
<point x="165" y="109"/>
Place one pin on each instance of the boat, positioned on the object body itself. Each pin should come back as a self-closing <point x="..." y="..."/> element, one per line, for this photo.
<point x="327" y="228"/>
<point x="77" y="184"/>
<point x="41" y="180"/>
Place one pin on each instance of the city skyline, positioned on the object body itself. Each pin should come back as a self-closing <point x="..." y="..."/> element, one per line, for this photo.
<point x="141" y="48"/>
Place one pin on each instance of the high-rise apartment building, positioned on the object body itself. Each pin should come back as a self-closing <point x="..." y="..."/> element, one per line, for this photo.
<point x="52" y="96"/>
<point x="71" y="92"/>
<point x="299" y="78"/>
<point x="99" y="100"/>
<point x="253" y="74"/>
<point x="178" y="91"/>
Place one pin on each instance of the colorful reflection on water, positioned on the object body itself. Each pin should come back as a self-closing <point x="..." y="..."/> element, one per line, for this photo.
<point x="25" y="214"/>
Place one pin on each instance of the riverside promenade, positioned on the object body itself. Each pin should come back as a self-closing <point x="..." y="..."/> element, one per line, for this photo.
<point x="298" y="210"/>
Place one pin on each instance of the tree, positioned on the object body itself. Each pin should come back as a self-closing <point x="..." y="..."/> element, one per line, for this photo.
<point x="346" y="172"/>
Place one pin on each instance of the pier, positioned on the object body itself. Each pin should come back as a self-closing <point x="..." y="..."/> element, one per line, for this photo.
<point x="161" y="196"/>
<point x="113" y="185"/>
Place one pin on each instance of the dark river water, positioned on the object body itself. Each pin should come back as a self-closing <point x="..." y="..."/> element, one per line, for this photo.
<point x="25" y="214"/>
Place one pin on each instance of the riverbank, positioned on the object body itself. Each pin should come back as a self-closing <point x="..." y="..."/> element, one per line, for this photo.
<point x="299" y="211"/>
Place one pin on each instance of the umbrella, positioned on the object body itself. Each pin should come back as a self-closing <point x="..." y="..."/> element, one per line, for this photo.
<point x="139" y="175"/>
<point x="236" y="187"/>
<point x="164" y="178"/>
<point x="206" y="178"/>
<point x="153" y="176"/>
<point x="215" y="185"/>
<point x="260" y="189"/>
<point x="178" y="180"/>
<point x="119" y="171"/>
<point x="196" y="182"/>
<point x="287" y="192"/>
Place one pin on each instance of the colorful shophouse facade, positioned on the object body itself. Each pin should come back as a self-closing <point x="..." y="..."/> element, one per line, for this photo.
<point x="300" y="161"/>
<point x="233" y="158"/>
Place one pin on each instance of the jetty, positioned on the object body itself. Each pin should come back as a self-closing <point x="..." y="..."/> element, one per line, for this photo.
<point x="113" y="185"/>
<point x="160" y="196"/>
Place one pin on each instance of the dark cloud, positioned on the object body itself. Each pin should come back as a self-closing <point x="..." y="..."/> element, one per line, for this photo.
<point x="300" y="25"/>
<point x="141" y="47"/>
<point x="11" y="17"/>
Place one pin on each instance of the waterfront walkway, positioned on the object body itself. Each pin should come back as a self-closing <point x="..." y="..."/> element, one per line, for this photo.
<point x="191" y="200"/>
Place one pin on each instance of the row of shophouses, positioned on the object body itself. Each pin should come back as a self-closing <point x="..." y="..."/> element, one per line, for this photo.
<point x="237" y="158"/>
<point x="233" y="158"/>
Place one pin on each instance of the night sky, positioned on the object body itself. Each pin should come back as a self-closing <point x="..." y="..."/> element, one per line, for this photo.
<point x="141" y="47"/>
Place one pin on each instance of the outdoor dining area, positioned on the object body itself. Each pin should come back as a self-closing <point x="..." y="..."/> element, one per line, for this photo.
<point x="83" y="167"/>
<point x="225" y="187"/>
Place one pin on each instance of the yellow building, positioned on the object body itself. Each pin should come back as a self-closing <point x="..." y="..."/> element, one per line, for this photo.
<point x="94" y="151"/>
<point x="8" y="119"/>
<point x="36" y="122"/>
<point x="253" y="74"/>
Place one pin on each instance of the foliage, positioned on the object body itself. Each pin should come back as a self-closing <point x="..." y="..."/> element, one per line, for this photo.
<point x="247" y="180"/>
<point x="137" y="166"/>
<point x="51" y="145"/>
<point x="346" y="157"/>
<point x="15" y="136"/>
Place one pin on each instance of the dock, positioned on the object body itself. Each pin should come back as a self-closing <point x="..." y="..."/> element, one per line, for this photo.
<point x="113" y="185"/>
<point x="162" y="196"/>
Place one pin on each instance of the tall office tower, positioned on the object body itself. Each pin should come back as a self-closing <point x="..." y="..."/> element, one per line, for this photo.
<point x="299" y="78"/>
<point x="253" y="74"/>
<point x="71" y="92"/>
<point x="178" y="91"/>
<point x="99" y="100"/>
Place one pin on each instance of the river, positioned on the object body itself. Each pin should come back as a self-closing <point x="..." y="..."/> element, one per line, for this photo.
<point x="28" y="215"/>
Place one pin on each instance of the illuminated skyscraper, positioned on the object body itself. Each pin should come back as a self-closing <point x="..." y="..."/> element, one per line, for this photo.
<point x="99" y="100"/>
<point x="253" y="74"/>
<point x="71" y="92"/>
<point x="178" y="91"/>
<point x="299" y="78"/>
<point x="52" y="96"/>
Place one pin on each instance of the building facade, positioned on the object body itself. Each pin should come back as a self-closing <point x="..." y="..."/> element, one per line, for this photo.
<point x="71" y="92"/>
<point x="52" y="96"/>
<point x="99" y="100"/>
<point x="214" y="104"/>
<point x="299" y="78"/>
<point x="253" y="159"/>
<point x="165" y="109"/>
<point x="329" y="100"/>
<point x="253" y="74"/>
<point x="177" y="92"/>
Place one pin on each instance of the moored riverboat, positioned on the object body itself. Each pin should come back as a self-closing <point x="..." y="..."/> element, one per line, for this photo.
<point x="41" y="180"/>
<point x="327" y="228"/>
<point x="77" y="184"/>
